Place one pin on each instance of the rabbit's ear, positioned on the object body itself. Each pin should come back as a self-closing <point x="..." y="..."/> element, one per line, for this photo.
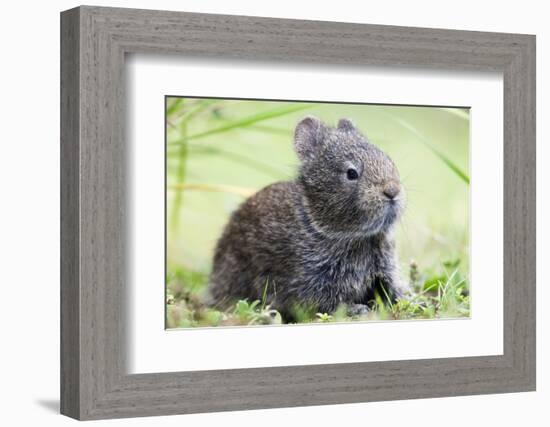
<point x="346" y="124"/>
<point x="308" y="138"/>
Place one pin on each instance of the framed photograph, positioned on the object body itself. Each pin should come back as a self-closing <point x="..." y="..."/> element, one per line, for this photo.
<point x="275" y="217"/>
<point x="261" y="213"/>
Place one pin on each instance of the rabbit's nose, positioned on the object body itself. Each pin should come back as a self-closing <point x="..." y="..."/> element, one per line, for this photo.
<point x="391" y="191"/>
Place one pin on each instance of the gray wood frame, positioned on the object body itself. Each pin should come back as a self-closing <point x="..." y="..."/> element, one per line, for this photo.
<point x="94" y="41"/>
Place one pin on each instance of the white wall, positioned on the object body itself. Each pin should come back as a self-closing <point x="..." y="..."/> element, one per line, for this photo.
<point x="29" y="229"/>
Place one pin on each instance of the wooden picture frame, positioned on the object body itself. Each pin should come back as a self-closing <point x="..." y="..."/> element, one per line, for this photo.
<point x="94" y="382"/>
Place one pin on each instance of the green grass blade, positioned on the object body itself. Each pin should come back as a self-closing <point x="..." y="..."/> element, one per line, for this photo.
<point x="198" y="108"/>
<point x="229" y="189"/>
<point x="178" y="116"/>
<point x="450" y="164"/>
<point x="264" y="295"/>
<point x="247" y="121"/>
<point x="250" y="162"/>
<point x="180" y="176"/>
<point x="271" y="129"/>
<point x="458" y="112"/>
<point x="174" y="106"/>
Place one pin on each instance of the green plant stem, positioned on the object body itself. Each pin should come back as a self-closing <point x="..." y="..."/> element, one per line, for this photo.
<point x="180" y="176"/>
<point x="176" y="105"/>
<point x="199" y="107"/>
<point x="247" y="121"/>
<point x="243" y="192"/>
<point x="457" y="112"/>
<point x="250" y="162"/>
<point x="450" y="164"/>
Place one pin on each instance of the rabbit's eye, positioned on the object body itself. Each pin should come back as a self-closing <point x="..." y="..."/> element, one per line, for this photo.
<point x="352" y="174"/>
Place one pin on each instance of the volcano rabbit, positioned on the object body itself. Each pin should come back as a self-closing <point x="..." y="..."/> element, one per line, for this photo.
<point x="321" y="241"/>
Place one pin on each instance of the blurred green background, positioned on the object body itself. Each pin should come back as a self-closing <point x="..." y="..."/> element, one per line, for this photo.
<point x="220" y="151"/>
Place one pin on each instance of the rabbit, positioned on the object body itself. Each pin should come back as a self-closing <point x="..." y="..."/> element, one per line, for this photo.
<point x="322" y="241"/>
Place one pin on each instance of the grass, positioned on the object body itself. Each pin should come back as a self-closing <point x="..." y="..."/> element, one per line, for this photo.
<point x="221" y="151"/>
<point x="435" y="294"/>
